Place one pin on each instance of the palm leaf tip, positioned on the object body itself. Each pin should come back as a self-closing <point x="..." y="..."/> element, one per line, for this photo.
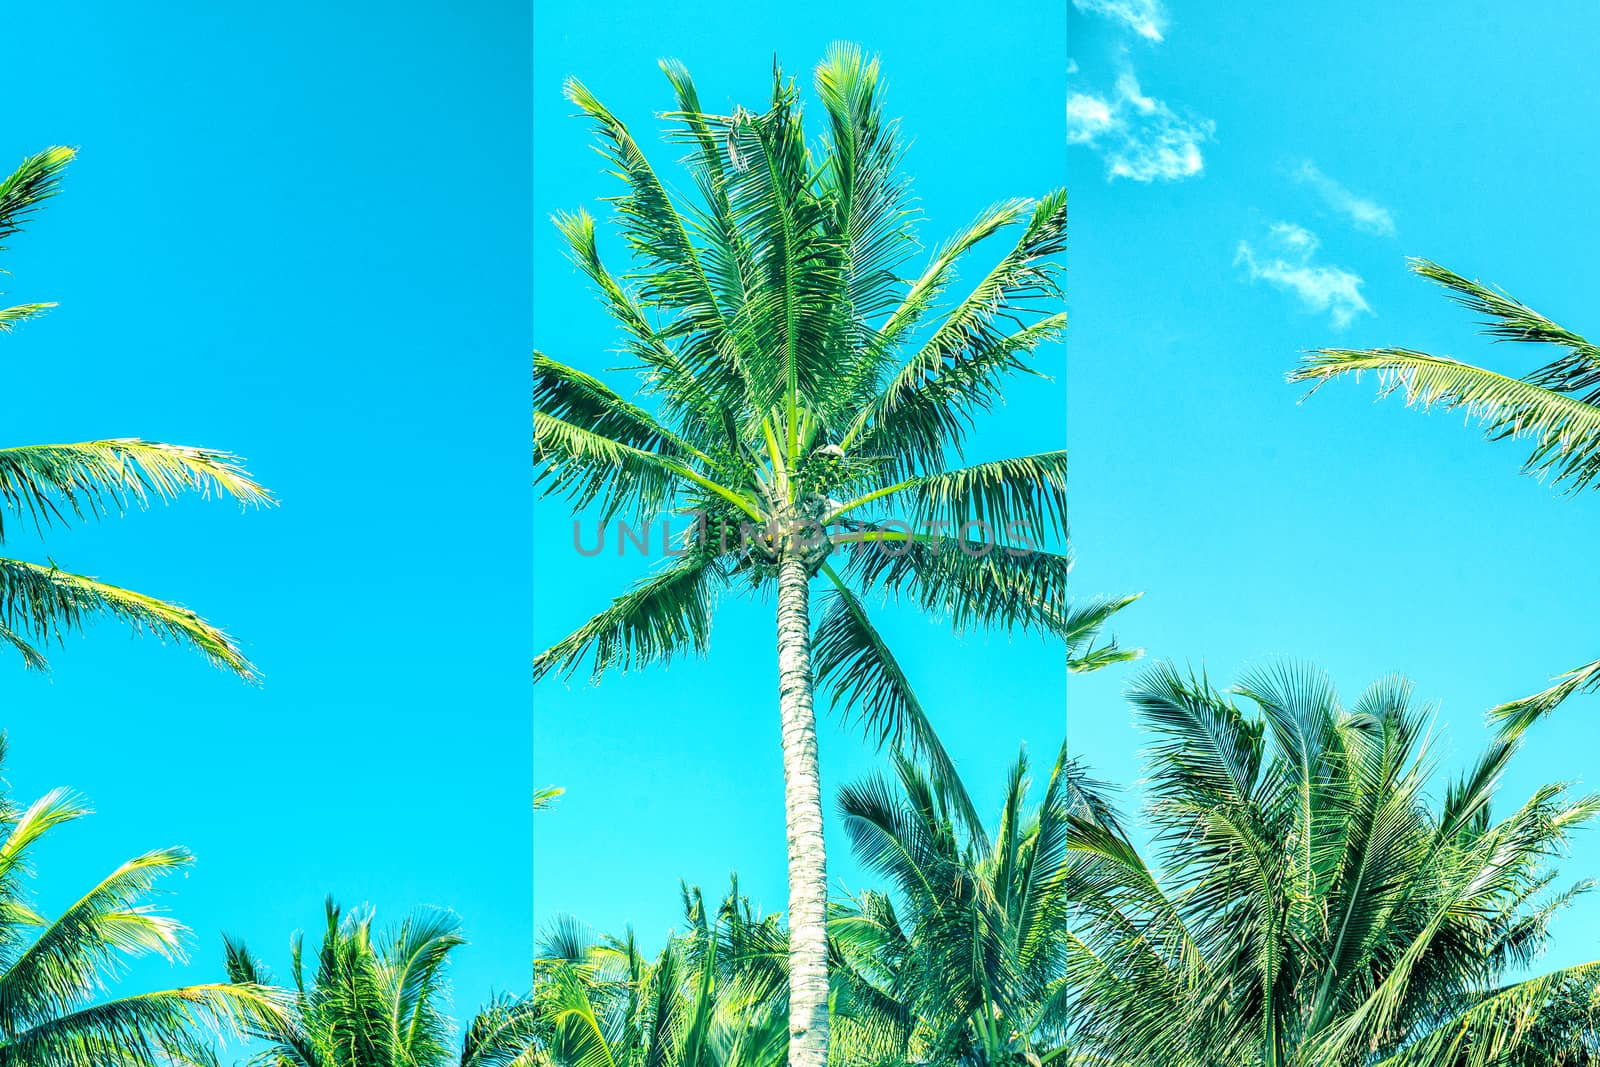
<point x="33" y="182"/>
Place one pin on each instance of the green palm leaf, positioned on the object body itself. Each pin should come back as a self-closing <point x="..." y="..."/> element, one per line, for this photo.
<point x="45" y="602"/>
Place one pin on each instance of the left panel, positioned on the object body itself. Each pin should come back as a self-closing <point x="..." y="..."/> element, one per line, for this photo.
<point x="295" y="233"/>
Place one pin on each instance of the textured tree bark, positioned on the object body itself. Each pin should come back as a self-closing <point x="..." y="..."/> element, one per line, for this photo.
<point x="802" y="795"/>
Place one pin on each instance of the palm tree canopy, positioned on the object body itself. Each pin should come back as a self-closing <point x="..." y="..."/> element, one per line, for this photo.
<point x="54" y="972"/>
<point x="49" y="485"/>
<point x="792" y="378"/>
<point x="963" y="960"/>
<point x="1310" y="904"/>
<point x="715" y="996"/>
<point x="380" y="999"/>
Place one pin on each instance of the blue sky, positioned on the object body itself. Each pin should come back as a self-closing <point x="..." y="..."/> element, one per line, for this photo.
<point x="1246" y="184"/>
<point x="298" y="232"/>
<point x="675" y="773"/>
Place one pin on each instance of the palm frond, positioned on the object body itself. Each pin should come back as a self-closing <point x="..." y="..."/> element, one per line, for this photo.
<point x="33" y="182"/>
<point x="665" y="614"/>
<point x="67" y="961"/>
<point x="1565" y="431"/>
<point x="1022" y="500"/>
<point x="852" y="660"/>
<point x="47" y="602"/>
<point x="1514" y="717"/>
<point x="93" y="477"/>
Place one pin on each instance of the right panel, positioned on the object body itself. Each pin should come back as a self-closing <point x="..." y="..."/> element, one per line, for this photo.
<point x="1333" y="410"/>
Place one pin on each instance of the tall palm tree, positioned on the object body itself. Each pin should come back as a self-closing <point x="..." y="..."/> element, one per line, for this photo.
<point x="793" y="382"/>
<point x="1310" y="904"/>
<point x="1557" y="407"/>
<point x="54" y="971"/>
<point x="381" y="1000"/>
<point x="715" y="996"/>
<point x="965" y="956"/>
<point x="54" y="484"/>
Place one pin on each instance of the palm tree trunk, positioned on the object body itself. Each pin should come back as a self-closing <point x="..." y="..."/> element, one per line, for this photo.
<point x="802" y="796"/>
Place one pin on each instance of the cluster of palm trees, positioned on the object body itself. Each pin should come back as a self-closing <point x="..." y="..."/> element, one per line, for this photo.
<point x="1299" y="890"/>
<point x="371" y="998"/>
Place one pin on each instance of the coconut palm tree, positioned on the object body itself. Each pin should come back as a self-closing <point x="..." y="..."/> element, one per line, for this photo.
<point x="381" y="1000"/>
<point x="1310" y="904"/>
<point x="716" y="996"/>
<point x="1556" y="407"/>
<point x="810" y="405"/>
<point x="54" y="972"/>
<point x="53" y="484"/>
<point x="965" y="955"/>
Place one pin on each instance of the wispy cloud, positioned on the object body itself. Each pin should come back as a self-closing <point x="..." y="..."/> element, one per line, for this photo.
<point x="1140" y="137"/>
<point x="1365" y="214"/>
<point x="1285" y="262"/>
<point x="1144" y="17"/>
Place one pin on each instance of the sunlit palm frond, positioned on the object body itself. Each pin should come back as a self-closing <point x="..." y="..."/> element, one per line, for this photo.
<point x="1514" y="717"/>
<point x="658" y="235"/>
<point x="665" y="614"/>
<point x="45" y="602"/>
<point x="1085" y="621"/>
<point x="67" y="961"/>
<point x="26" y="189"/>
<point x="9" y="317"/>
<point x="1565" y="430"/>
<point x="93" y="477"/>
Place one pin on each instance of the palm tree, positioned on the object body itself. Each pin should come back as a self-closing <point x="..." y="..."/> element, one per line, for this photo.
<point x="803" y="400"/>
<point x="1557" y="407"/>
<point x="53" y="971"/>
<point x="381" y="1001"/>
<point x="1309" y="904"/>
<point x="51" y="484"/>
<point x="715" y="996"/>
<point x="964" y="959"/>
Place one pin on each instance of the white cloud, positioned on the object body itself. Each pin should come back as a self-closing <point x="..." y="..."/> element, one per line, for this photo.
<point x="1140" y="137"/>
<point x="1087" y="118"/>
<point x="1285" y="262"/>
<point x="1144" y="17"/>
<point x="1365" y="214"/>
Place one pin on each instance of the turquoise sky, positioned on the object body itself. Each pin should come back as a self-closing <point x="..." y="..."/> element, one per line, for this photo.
<point x="676" y="774"/>
<point x="1366" y="538"/>
<point x="296" y="231"/>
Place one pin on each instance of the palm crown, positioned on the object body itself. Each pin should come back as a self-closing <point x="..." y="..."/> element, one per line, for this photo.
<point x="379" y="999"/>
<point x="713" y="997"/>
<point x="963" y="962"/>
<point x="1311" y="905"/>
<point x="54" y="484"/>
<point x="54" y="970"/>
<point x="795" y="378"/>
